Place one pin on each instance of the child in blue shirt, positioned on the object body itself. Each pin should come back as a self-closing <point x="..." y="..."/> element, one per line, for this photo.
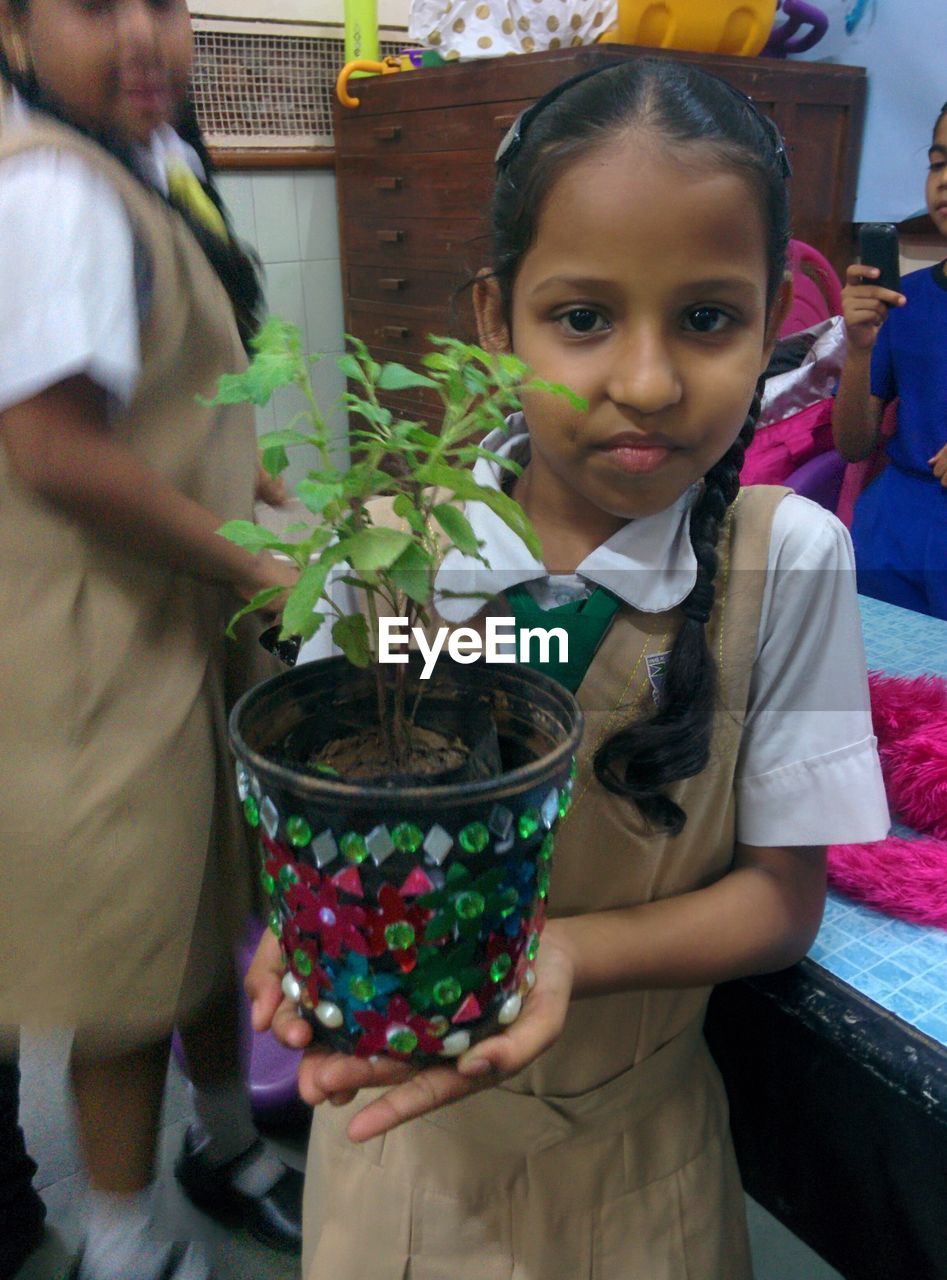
<point x="897" y="350"/>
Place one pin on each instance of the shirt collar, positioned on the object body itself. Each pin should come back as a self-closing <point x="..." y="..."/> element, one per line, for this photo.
<point x="649" y="563"/>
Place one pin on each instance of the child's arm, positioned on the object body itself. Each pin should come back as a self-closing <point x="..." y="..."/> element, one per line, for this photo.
<point x="59" y="446"/>
<point x="856" y="415"/>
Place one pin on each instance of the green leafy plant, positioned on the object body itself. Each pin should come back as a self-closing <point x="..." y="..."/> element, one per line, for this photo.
<point x="426" y="473"/>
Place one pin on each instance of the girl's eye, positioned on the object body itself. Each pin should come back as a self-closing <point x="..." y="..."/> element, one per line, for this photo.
<point x="582" y="320"/>
<point x="706" y="320"/>
<point x="936" y="165"/>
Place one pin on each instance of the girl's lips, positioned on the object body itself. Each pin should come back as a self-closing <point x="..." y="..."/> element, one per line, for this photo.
<point x="637" y="459"/>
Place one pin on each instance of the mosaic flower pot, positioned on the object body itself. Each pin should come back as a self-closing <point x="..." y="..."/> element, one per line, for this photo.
<point x="409" y="914"/>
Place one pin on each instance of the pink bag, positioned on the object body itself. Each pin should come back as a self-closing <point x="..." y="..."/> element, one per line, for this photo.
<point x="781" y="448"/>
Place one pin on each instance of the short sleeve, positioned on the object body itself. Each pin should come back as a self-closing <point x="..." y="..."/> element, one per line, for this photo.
<point x="67" y="279"/>
<point x="883" y="384"/>
<point x="808" y="770"/>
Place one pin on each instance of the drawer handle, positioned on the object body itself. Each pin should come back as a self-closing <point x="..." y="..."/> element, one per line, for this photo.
<point x="390" y="237"/>
<point x="387" y="133"/>
<point x="395" y="331"/>
<point x="503" y="122"/>
<point x="392" y="284"/>
<point x="388" y="184"/>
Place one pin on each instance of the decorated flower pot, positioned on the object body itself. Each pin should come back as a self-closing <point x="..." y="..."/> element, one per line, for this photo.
<point x="409" y="915"/>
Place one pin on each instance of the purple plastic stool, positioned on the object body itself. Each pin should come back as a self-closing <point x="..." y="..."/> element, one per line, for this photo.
<point x="819" y="479"/>
<point x="270" y="1068"/>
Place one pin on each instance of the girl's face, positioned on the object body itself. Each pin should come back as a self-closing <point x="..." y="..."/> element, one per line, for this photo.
<point x="116" y="65"/>
<point x="937" y="177"/>
<point x="645" y="292"/>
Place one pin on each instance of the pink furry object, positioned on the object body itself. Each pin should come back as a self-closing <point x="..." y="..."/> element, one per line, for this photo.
<point x="899" y="705"/>
<point x="905" y="878"/>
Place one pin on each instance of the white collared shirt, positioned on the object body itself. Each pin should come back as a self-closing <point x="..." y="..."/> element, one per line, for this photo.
<point x="808" y="769"/>
<point x="68" y="297"/>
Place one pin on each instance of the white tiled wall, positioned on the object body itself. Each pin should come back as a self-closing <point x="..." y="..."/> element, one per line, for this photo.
<point x="290" y="219"/>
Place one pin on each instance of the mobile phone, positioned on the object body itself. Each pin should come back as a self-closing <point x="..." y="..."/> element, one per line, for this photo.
<point x="878" y="247"/>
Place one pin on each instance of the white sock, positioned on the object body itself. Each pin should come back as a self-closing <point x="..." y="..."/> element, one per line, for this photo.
<point x="118" y="1244"/>
<point x="225" y="1130"/>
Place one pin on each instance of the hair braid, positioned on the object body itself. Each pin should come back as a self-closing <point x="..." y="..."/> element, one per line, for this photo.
<point x="642" y="759"/>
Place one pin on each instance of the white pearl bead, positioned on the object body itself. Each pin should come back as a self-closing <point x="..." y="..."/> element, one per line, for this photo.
<point x="529" y="977"/>
<point x="510" y="1010"/>
<point x="330" y="1015"/>
<point x="455" y="1044"/>
<point x="291" y="988"/>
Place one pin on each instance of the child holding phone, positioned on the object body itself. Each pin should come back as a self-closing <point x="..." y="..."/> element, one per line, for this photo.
<point x="897" y="349"/>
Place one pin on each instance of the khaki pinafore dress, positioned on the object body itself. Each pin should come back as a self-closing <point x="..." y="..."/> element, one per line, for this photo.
<point x="117" y="814"/>
<point x="610" y="1157"/>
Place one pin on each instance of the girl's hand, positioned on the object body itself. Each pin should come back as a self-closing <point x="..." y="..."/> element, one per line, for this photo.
<point x="269" y="489"/>
<point x="865" y="306"/>
<point x="269" y="571"/>
<point x="328" y="1076"/>
<point x="938" y="465"/>
<point x="269" y="1008"/>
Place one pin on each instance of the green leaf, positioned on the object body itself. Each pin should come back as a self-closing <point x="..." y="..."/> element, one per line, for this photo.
<point x="464" y="486"/>
<point x="411" y="573"/>
<point x="398" y="377"/>
<point x="317" y="494"/>
<point x="457" y="527"/>
<point x="281" y="439"/>
<point x="351" y="635"/>
<point x="405" y="509"/>
<point x="249" y="535"/>
<point x="559" y="389"/>
<point x="302" y="600"/>
<point x="373" y="548"/>
<point x="259" y="601"/>
<point x="351" y="368"/>
<point x="274" y="460"/>
<point x="364" y="481"/>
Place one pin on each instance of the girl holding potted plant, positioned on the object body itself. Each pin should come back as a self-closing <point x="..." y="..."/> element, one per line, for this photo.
<point x="123" y="295"/>
<point x="639" y="231"/>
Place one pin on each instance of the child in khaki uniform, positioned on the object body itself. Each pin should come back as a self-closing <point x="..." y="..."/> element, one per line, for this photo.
<point x="124" y="877"/>
<point x="640" y="224"/>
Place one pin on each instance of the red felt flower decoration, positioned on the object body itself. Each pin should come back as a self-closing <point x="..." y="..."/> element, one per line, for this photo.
<point x="396" y="927"/>
<point x="319" y="912"/>
<point x="398" y="1026"/>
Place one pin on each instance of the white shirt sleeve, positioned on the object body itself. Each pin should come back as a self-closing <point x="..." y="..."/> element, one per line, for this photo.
<point x="808" y="770"/>
<point x="67" y="279"/>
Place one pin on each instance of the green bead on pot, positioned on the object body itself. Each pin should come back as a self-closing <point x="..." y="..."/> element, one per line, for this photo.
<point x="474" y="838"/>
<point x="542" y="880"/>
<point x="500" y="967"/>
<point x="546" y="848"/>
<point x="298" y="831"/>
<point x="399" y="935"/>
<point x="401" y="1039"/>
<point x="565" y="803"/>
<point x="470" y="905"/>
<point x="268" y="883"/>
<point x="362" y="988"/>
<point x="407" y="837"/>
<point x="353" y="848"/>
<point x="251" y="811"/>
<point x="528" y="823"/>
<point x="302" y="963"/>
<point x="287" y="876"/>
<point x="274" y="924"/>
<point x="532" y="946"/>
<point x="447" y="991"/>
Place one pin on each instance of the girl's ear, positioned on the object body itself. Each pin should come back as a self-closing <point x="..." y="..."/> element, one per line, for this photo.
<point x="777" y="314"/>
<point x="493" y="332"/>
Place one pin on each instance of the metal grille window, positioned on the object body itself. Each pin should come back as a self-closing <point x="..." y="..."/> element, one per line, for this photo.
<point x="265" y="88"/>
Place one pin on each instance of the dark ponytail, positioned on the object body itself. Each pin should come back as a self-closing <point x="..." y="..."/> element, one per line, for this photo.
<point x="640" y="760"/>
<point x="235" y="264"/>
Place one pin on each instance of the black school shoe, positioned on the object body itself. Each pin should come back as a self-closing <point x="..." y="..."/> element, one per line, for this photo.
<point x="275" y="1218"/>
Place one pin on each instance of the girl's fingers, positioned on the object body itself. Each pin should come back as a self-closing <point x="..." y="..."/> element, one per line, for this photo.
<point x="289" y="1028"/>
<point x="430" y="1089"/>
<point x="324" y="1073"/>
<point x="264" y="982"/>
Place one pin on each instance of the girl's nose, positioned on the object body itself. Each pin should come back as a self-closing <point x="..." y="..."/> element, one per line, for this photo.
<point x="643" y="375"/>
<point x="137" y="24"/>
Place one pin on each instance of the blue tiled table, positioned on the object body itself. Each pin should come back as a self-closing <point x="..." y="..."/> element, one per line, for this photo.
<point x="837" y="1068"/>
<point x="900" y="966"/>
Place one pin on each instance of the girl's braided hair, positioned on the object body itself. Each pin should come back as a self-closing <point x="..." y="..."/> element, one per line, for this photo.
<point x="682" y="106"/>
<point x="237" y="266"/>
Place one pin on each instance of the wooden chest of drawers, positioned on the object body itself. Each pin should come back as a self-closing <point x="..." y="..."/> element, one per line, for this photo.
<point x="414" y="172"/>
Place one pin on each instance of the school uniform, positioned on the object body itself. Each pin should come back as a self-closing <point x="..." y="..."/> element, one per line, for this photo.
<point x="120" y="833"/>
<point x="900" y="522"/>
<point x="610" y="1157"/>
